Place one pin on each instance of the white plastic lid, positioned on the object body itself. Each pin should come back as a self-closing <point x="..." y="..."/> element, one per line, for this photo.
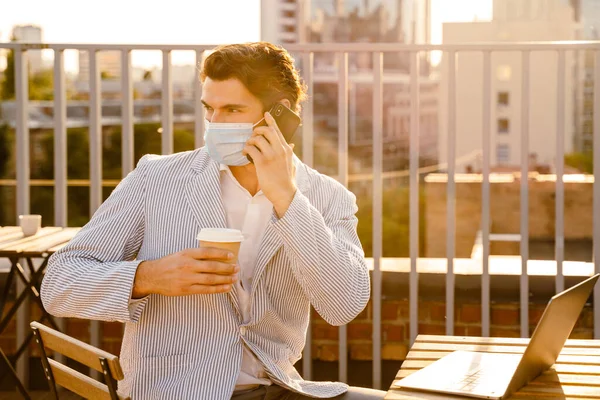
<point x="220" y="235"/>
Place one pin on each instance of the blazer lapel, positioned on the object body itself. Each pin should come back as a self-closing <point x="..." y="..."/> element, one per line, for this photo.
<point x="203" y="195"/>
<point x="269" y="246"/>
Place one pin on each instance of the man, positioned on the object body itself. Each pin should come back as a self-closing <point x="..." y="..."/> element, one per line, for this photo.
<point x="198" y="325"/>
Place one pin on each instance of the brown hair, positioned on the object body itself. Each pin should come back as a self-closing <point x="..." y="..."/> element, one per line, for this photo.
<point x="266" y="70"/>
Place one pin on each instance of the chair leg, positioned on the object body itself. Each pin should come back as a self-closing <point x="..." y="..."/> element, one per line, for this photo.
<point x="45" y="363"/>
<point x="110" y="381"/>
<point x="30" y="336"/>
<point x="12" y="311"/>
<point x="37" y="274"/>
<point x="7" y="287"/>
<point x="34" y="293"/>
<point x="13" y="373"/>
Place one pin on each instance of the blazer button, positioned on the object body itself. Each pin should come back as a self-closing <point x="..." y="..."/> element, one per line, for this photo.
<point x="242" y="330"/>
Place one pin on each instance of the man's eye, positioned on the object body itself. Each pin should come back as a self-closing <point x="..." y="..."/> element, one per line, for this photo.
<point x="234" y="110"/>
<point x="207" y="108"/>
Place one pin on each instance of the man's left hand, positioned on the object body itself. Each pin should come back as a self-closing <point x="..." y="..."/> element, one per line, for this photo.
<point x="273" y="158"/>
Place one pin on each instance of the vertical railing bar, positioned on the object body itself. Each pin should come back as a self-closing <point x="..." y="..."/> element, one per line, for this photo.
<point x="308" y="110"/>
<point x="485" y="194"/>
<point x="198" y="106"/>
<point x="414" y="211"/>
<point x="451" y="193"/>
<point x="308" y="159"/>
<point x="95" y="134"/>
<point x="23" y="196"/>
<point x="577" y="99"/>
<point x="596" y="202"/>
<point x="377" y="213"/>
<point x="343" y="179"/>
<point x="167" y="105"/>
<point x="524" y="282"/>
<point x="560" y="167"/>
<point x="22" y="125"/>
<point x="127" y="113"/>
<point x="60" y="140"/>
<point x="60" y="153"/>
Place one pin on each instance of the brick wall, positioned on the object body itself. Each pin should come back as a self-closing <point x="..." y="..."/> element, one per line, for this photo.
<point x="504" y="213"/>
<point x="394" y="330"/>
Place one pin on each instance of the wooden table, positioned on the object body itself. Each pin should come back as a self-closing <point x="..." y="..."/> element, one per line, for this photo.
<point x="576" y="375"/>
<point x="15" y="246"/>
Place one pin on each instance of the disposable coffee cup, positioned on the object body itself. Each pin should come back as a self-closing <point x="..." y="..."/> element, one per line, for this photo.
<point x="30" y="224"/>
<point x="221" y="238"/>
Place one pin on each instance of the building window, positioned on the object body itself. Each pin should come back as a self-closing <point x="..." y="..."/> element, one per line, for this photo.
<point x="502" y="153"/>
<point x="503" y="125"/>
<point x="503" y="99"/>
<point x="503" y="73"/>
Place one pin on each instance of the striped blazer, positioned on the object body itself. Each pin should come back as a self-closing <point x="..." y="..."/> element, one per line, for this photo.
<point x="190" y="347"/>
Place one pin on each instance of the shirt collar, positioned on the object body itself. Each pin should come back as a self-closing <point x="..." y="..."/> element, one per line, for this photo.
<point x="301" y="178"/>
<point x="295" y="160"/>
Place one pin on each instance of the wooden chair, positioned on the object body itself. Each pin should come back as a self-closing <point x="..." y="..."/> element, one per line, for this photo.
<point x="57" y="373"/>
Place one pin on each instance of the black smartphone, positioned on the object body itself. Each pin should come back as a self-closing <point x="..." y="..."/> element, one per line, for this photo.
<point x="287" y="121"/>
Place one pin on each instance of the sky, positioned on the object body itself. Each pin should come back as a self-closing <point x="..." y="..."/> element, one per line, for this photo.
<point x="173" y="22"/>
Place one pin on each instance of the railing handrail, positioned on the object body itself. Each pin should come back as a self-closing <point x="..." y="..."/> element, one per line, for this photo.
<point x="327" y="47"/>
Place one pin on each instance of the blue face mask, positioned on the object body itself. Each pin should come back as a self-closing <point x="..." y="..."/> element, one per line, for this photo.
<point x="225" y="142"/>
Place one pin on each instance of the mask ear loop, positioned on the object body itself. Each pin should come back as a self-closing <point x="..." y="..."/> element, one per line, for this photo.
<point x="262" y="122"/>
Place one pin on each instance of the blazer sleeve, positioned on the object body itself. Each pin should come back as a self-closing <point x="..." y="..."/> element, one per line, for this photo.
<point x="92" y="276"/>
<point x="326" y="256"/>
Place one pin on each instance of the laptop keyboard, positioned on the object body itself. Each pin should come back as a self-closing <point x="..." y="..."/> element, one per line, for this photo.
<point x="471" y="381"/>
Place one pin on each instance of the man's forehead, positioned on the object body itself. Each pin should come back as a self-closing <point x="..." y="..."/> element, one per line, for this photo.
<point x="230" y="91"/>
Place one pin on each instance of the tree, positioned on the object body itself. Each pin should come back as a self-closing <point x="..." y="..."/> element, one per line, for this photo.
<point x="7" y="162"/>
<point x="146" y="140"/>
<point x="8" y="85"/>
<point x="583" y="162"/>
<point x="107" y="76"/>
<point x="396" y="220"/>
<point x="6" y="143"/>
<point x="147" y="75"/>
<point x="41" y="85"/>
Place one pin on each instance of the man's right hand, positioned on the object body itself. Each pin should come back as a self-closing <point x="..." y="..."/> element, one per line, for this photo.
<point x="191" y="271"/>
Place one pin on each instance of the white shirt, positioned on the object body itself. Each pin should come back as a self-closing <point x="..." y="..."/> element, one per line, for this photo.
<point x="251" y="215"/>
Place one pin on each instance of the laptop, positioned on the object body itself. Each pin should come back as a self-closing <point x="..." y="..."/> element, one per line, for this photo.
<point x="498" y="375"/>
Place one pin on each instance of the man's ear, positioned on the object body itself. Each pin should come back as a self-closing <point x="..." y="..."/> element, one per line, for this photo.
<point x="286" y="103"/>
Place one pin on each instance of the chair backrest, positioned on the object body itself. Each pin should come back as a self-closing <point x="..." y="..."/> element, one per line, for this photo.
<point x="57" y="373"/>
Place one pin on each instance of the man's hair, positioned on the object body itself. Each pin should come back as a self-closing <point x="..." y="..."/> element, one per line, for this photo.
<point x="266" y="70"/>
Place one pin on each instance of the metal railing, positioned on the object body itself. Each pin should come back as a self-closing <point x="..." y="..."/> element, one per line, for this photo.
<point x="307" y="53"/>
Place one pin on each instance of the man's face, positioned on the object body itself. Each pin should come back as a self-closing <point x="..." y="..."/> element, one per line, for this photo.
<point x="230" y="101"/>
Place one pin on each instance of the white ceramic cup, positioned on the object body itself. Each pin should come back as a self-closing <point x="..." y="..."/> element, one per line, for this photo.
<point x="30" y="224"/>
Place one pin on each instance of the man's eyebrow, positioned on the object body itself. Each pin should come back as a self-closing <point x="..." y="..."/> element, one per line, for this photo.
<point x="226" y="105"/>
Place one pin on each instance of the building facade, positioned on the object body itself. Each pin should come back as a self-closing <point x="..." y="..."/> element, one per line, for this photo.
<point x="513" y="20"/>
<point x="30" y="34"/>
<point x="355" y="21"/>
<point x="587" y="12"/>
<point x="109" y="63"/>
